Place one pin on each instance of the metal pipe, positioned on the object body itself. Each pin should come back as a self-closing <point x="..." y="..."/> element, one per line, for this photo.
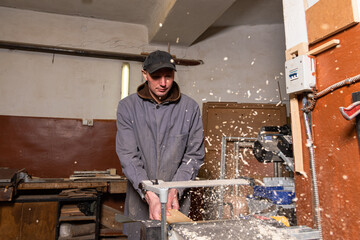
<point x="276" y="170"/>
<point x="222" y="175"/>
<point x="310" y="145"/>
<point x="224" y="141"/>
<point x="329" y="89"/>
<point x="237" y="166"/>
<point x="164" y="235"/>
<point x="87" y="52"/>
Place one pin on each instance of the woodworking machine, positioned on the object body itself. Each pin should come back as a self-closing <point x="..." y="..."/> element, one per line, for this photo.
<point x="274" y="144"/>
<point x="161" y="188"/>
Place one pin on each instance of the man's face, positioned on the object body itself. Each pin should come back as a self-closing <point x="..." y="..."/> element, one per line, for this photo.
<point x="160" y="81"/>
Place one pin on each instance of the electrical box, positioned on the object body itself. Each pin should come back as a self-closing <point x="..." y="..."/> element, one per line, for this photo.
<point x="300" y="74"/>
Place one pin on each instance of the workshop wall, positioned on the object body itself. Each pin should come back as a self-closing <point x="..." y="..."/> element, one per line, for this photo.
<point x="45" y="85"/>
<point x="337" y="152"/>
<point x="243" y="64"/>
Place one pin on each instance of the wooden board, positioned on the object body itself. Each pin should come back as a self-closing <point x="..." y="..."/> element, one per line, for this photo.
<point x="296" y="134"/>
<point x="324" y="47"/>
<point x="28" y="220"/>
<point x="300" y="49"/>
<point x="108" y="217"/>
<point x="237" y="120"/>
<point x="177" y="216"/>
<point x="113" y="186"/>
<point x="327" y="17"/>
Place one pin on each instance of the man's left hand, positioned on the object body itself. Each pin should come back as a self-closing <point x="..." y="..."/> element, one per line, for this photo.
<point x="173" y="202"/>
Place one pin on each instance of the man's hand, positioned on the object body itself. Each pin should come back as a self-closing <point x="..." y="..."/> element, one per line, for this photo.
<point x="154" y="205"/>
<point x="173" y="202"/>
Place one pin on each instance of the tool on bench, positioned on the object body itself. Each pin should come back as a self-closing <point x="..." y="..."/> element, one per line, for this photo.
<point x="108" y="174"/>
<point x="162" y="188"/>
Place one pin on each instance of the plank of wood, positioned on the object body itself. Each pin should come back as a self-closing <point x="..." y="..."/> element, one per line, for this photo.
<point x="296" y="134"/>
<point x="326" y="18"/>
<point x="94" y="177"/>
<point x="298" y="50"/>
<point x="6" y="193"/>
<point x="324" y="47"/>
<point x="117" y="186"/>
<point x="76" y="218"/>
<point x="177" y="216"/>
<point x="106" y="232"/>
<point x="108" y="217"/>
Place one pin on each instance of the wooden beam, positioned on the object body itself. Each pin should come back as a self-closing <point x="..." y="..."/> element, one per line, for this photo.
<point x="108" y="217"/>
<point x="116" y="186"/>
<point x="324" y="47"/>
<point x="300" y="49"/>
<point x="328" y="17"/>
<point x="296" y="134"/>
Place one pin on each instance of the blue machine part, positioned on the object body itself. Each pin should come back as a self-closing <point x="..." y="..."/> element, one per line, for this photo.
<point x="277" y="194"/>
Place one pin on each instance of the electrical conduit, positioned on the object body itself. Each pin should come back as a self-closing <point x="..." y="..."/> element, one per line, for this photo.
<point x="310" y="145"/>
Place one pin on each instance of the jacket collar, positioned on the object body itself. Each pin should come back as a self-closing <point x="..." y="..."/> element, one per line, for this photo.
<point x="173" y="96"/>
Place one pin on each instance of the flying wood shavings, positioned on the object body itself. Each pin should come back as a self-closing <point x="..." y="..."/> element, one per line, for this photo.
<point x="207" y="140"/>
<point x="248" y="93"/>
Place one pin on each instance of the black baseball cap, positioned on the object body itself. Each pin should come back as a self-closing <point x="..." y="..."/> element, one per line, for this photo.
<point x="157" y="60"/>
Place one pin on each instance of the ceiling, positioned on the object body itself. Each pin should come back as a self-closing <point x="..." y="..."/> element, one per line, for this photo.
<point x="168" y="21"/>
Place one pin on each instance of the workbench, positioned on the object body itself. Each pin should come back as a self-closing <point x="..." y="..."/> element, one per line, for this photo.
<point x="35" y="207"/>
<point x="101" y="185"/>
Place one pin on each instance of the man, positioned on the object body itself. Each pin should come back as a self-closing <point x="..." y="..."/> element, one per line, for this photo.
<point x="160" y="136"/>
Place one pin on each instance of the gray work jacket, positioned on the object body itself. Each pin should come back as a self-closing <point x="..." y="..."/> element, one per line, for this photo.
<point x="157" y="141"/>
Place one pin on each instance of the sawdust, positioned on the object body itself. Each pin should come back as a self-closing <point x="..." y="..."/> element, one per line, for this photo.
<point x="249" y="229"/>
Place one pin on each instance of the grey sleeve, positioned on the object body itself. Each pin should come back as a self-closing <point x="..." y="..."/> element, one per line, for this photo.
<point x="195" y="151"/>
<point x="127" y="150"/>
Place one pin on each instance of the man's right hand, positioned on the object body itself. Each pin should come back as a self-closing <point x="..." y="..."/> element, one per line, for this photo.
<point x="154" y="205"/>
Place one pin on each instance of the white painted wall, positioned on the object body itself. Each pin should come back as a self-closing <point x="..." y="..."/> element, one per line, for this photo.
<point x="295" y="22"/>
<point x="40" y="84"/>
<point x="242" y="64"/>
<point x="357" y="9"/>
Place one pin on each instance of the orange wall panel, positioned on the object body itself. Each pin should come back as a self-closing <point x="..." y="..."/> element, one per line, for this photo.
<point x="337" y="153"/>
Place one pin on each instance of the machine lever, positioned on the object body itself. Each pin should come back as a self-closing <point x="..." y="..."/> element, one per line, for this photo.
<point x="351" y="111"/>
